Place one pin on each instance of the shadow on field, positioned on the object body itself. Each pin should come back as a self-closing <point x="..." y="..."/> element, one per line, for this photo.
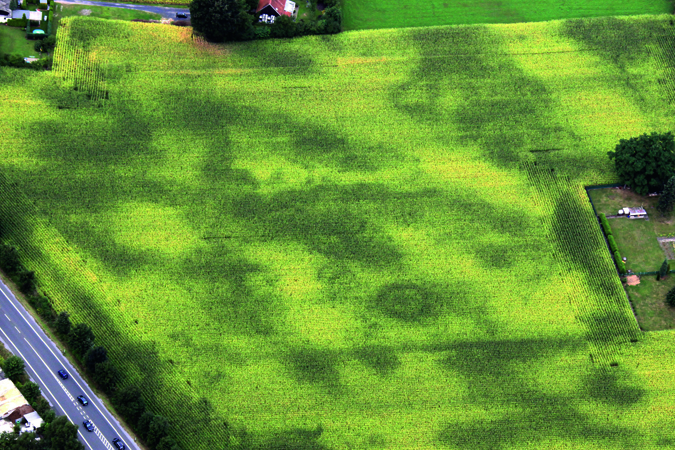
<point x="497" y="375"/>
<point x="493" y="102"/>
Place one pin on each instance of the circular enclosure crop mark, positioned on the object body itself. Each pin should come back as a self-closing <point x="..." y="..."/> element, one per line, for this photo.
<point x="406" y="301"/>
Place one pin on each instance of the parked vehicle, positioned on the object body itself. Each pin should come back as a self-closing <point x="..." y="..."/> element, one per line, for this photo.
<point x="63" y="374"/>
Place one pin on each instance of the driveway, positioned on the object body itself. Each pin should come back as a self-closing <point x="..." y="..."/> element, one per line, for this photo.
<point x="165" y="11"/>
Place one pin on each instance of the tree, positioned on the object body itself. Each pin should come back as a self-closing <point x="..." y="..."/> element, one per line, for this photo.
<point x="106" y="376"/>
<point x="665" y="268"/>
<point x="62" y="324"/>
<point x="61" y="435"/>
<point x="81" y="338"/>
<point x="158" y="429"/>
<point x="645" y="163"/>
<point x="13" y="4"/>
<point x="222" y="20"/>
<point x="167" y="443"/>
<point x="26" y="281"/>
<point x="332" y="21"/>
<point x="144" y="424"/>
<point x="284" y="27"/>
<point x="667" y="197"/>
<point x="94" y="356"/>
<point x="9" y="257"/>
<point x="29" y="390"/>
<point x="129" y="402"/>
<point x="13" y="368"/>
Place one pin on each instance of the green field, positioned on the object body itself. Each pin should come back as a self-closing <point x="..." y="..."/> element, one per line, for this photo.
<point x="359" y="15"/>
<point x="649" y="301"/>
<point x="375" y="240"/>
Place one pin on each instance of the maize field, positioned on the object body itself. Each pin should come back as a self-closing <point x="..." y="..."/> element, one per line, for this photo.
<point x="373" y="240"/>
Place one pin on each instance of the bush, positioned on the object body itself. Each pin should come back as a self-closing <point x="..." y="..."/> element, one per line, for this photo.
<point x="262" y="32"/>
<point x="331" y="21"/>
<point x="619" y="263"/>
<point x="612" y="244"/>
<point x="62" y="324"/>
<point x="605" y="225"/>
<point x="670" y="298"/>
<point x="21" y="23"/>
<point x="284" y="27"/>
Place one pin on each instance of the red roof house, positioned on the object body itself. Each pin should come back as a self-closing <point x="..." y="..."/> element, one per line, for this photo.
<point x="276" y="7"/>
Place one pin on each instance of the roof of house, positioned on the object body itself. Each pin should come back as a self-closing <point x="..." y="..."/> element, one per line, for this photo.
<point x="4" y="6"/>
<point x="279" y="6"/>
<point x="19" y="412"/>
<point x="637" y="211"/>
<point x="30" y="15"/>
<point x="10" y="397"/>
<point x="34" y="419"/>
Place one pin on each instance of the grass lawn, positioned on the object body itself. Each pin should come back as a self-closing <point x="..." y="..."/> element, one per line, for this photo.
<point x="610" y="200"/>
<point x="415" y="13"/>
<point x="637" y="242"/>
<point x="103" y="12"/>
<point x="13" y="40"/>
<point x="648" y="300"/>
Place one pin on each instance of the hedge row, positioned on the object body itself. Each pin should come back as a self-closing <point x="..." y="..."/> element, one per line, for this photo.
<point x="605" y="225"/>
<point x="17" y="22"/>
<point x="619" y="263"/>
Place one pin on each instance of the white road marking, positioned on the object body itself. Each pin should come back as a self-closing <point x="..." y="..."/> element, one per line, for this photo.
<point x="57" y="358"/>
<point x="8" y="317"/>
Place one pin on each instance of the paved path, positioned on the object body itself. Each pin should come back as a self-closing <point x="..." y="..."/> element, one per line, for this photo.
<point x="166" y="12"/>
<point x="24" y="338"/>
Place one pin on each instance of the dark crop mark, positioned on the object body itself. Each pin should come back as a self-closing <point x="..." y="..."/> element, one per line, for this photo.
<point x="379" y="357"/>
<point x="408" y="302"/>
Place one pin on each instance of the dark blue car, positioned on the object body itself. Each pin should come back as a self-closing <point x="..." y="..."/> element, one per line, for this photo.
<point x="118" y="443"/>
<point x="88" y="425"/>
<point x="63" y="374"/>
<point x="83" y="400"/>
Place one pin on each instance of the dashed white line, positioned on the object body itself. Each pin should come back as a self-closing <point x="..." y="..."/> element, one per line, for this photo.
<point x="8" y="317"/>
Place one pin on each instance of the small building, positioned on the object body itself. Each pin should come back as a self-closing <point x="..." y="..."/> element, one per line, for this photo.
<point x="275" y="8"/>
<point x="636" y="213"/>
<point x="33" y="421"/>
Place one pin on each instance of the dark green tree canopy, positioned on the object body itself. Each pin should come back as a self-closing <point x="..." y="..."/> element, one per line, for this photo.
<point x="222" y="20"/>
<point x="670" y="298"/>
<point x="62" y="435"/>
<point x="63" y="324"/>
<point x="667" y="198"/>
<point x="645" y="163"/>
<point x="81" y="338"/>
<point x="13" y="367"/>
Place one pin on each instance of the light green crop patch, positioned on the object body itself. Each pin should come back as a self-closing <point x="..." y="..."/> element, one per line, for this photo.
<point x="372" y="240"/>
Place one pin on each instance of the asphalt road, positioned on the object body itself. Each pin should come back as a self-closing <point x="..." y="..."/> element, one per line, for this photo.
<point x="166" y="12"/>
<point x="23" y="337"/>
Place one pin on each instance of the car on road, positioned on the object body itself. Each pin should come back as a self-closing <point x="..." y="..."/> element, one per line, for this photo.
<point x="118" y="443"/>
<point x="82" y="400"/>
<point x="182" y="15"/>
<point x="88" y="425"/>
<point x="63" y="374"/>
